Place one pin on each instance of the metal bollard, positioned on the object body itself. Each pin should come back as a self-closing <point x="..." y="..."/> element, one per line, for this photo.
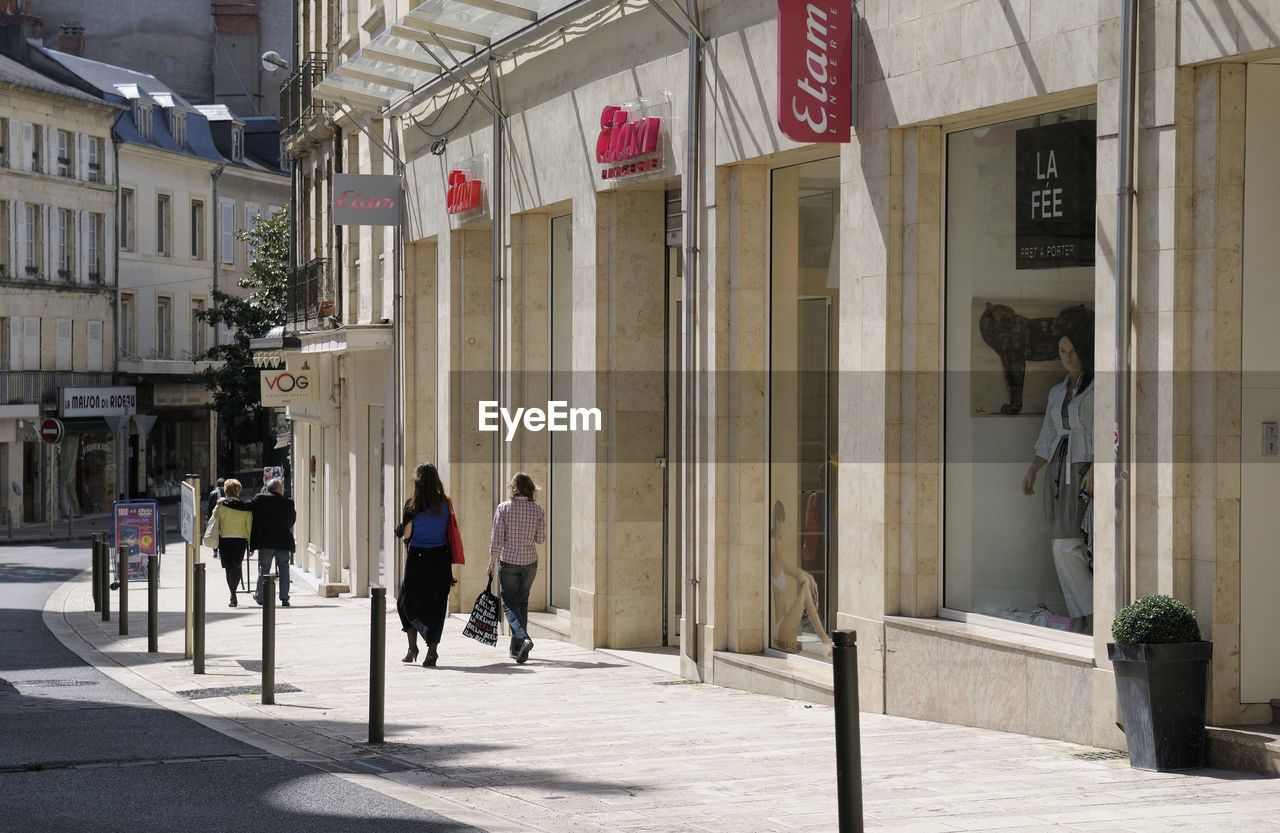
<point x="848" y="742"/>
<point x="96" y="579"/>
<point x="122" y="574"/>
<point x="377" y="662"/>
<point x="153" y="604"/>
<point x="197" y="625"/>
<point x="104" y="579"/>
<point x="268" y="640"/>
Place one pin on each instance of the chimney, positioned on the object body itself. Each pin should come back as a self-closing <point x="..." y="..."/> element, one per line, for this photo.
<point x="17" y="25"/>
<point x="235" y="17"/>
<point x="71" y="38"/>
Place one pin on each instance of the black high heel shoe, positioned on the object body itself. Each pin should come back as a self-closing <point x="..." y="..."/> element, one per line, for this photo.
<point x="432" y="656"/>
<point x="412" y="656"/>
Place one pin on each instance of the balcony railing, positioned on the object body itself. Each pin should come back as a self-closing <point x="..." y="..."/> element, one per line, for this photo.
<point x="40" y="387"/>
<point x="313" y="295"/>
<point x="296" y="103"/>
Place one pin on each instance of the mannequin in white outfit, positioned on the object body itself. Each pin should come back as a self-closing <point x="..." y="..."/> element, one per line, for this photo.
<point x="1066" y="441"/>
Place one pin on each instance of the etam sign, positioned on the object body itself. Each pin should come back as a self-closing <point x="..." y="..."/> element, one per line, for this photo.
<point x="366" y="200"/>
<point x="816" y="58"/>
<point x="632" y="139"/>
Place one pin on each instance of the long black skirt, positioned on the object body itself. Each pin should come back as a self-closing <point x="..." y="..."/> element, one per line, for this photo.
<point x="423" y="600"/>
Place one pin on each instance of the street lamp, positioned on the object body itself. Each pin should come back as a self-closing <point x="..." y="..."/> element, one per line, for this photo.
<point x="271" y="61"/>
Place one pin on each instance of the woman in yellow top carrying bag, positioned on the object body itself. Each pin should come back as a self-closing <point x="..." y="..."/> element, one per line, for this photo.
<point x="234" y="527"/>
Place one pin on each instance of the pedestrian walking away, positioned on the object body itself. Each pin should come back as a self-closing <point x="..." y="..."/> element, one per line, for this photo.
<point x="518" y="525"/>
<point x="272" y="538"/>
<point x="216" y="494"/>
<point x="235" y="530"/>
<point x="423" y="599"/>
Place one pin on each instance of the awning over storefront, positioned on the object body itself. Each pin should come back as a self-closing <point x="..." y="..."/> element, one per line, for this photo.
<point x="441" y="41"/>
<point x="89" y="425"/>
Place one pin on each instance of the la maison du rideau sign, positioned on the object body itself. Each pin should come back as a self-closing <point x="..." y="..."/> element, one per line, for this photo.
<point x="816" y="70"/>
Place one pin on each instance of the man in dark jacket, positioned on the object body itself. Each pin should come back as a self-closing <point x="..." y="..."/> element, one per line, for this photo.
<point x="272" y="534"/>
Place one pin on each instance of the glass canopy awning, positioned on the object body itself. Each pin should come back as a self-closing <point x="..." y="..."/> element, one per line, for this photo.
<point x="429" y="43"/>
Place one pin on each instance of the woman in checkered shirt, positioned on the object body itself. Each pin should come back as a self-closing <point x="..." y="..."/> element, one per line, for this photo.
<point x="518" y="524"/>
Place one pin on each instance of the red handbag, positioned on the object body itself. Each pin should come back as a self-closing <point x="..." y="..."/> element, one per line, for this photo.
<point x="454" y="536"/>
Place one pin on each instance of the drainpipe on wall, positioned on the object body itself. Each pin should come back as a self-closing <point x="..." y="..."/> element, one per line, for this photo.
<point x="1124" y="277"/>
<point x="498" y="208"/>
<point x="689" y="646"/>
<point x="115" y="156"/>
<point x="215" y="175"/>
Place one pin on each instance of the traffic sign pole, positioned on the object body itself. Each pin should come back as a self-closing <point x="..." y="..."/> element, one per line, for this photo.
<point x="51" y="430"/>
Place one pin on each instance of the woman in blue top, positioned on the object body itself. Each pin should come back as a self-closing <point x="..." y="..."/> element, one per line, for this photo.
<point x="423" y="600"/>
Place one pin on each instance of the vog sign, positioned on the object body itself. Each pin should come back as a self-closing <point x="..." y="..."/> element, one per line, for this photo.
<point x="280" y="388"/>
<point x="366" y="200"/>
<point x="815" y="70"/>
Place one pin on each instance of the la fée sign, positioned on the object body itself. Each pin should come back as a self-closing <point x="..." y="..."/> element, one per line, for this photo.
<point x="815" y="70"/>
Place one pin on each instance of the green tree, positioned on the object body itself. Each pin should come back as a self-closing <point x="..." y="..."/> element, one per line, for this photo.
<point x="234" y="379"/>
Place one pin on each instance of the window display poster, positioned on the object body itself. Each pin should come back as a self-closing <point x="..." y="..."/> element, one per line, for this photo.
<point x="1056" y="184"/>
<point x="135" y="526"/>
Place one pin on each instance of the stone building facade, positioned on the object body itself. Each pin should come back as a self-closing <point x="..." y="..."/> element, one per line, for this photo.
<point x="872" y="328"/>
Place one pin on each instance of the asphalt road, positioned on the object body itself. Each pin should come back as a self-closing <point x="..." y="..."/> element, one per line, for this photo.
<point x="79" y="752"/>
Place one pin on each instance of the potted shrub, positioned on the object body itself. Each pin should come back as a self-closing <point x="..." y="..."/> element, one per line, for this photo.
<point x="1161" y="668"/>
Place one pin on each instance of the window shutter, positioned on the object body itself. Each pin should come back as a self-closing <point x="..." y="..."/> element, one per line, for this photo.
<point x="81" y="156"/>
<point x="31" y="343"/>
<point x="19" y="215"/>
<point x="27" y="140"/>
<point x="62" y="356"/>
<point x="93" y="357"/>
<point x="82" y="245"/>
<point x="15" y="343"/>
<point x="228" y="232"/>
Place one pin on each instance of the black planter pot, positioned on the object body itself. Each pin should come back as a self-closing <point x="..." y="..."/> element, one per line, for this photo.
<point x="1162" y="692"/>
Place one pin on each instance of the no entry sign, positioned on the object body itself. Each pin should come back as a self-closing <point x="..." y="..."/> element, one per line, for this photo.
<point x="51" y="430"/>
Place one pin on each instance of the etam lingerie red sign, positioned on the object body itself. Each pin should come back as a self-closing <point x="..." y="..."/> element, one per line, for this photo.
<point x="630" y="142"/>
<point x="815" y="70"/>
<point x="465" y="194"/>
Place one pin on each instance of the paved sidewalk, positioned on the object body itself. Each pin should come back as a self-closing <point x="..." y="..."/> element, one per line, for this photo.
<point x="580" y="740"/>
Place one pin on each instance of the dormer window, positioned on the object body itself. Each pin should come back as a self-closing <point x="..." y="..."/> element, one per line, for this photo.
<point x="142" y="118"/>
<point x="237" y="143"/>
<point x="178" y="126"/>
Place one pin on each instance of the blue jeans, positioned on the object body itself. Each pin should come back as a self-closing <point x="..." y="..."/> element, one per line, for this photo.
<point x="516" y="580"/>
<point x="279" y="559"/>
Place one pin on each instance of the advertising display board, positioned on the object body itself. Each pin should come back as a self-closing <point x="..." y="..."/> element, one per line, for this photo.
<point x="187" y="520"/>
<point x="135" y="524"/>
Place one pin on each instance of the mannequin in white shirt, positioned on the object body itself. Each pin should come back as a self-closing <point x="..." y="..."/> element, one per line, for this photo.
<point x="1066" y="441"/>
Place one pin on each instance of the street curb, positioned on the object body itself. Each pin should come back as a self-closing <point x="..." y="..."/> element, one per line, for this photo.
<point x="57" y="615"/>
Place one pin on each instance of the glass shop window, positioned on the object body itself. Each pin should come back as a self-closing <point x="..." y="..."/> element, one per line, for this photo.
<point x="1019" y="370"/>
<point x="804" y="391"/>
